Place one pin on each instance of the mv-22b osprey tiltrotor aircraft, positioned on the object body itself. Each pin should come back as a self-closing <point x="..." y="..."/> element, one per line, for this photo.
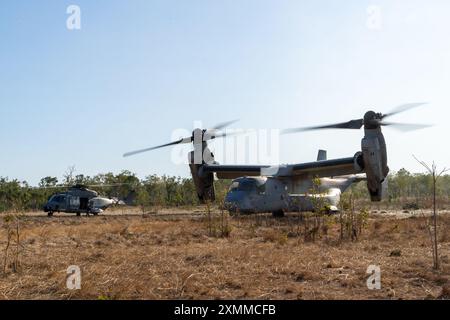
<point x="286" y="188"/>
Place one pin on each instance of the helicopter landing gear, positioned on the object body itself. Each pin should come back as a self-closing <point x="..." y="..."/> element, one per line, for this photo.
<point x="50" y="214"/>
<point x="278" y="214"/>
<point x="78" y="214"/>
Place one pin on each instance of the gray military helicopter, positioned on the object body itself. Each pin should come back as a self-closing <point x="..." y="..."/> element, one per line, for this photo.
<point x="79" y="199"/>
<point x="286" y="188"/>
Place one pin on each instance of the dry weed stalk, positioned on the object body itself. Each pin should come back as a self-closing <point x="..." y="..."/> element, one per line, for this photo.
<point x="12" y="226"/>
<point x="217" y="226"/>
<point x="351" y="223"/>
<point x="435" y="175"/>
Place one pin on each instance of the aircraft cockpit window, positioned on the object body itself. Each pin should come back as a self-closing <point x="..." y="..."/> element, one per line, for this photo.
<point x="261" y="188"/>
<point x="58" y="199"/>
<point x="248" y="185"/>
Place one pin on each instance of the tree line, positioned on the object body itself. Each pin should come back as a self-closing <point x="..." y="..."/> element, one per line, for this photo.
<point x="410" y="188"/>
<point x="169" y="191"/>
<point x="153" y="190"/>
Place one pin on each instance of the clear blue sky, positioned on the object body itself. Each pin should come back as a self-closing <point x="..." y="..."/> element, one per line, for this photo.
<point x="139" y="69"/>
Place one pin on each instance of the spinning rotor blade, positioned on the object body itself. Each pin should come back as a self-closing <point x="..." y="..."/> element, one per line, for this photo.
<point x="224" y="124"/>
<point x="405" y="126"/>
<point x="215" y="132"/>
<point x="371" y="120"/>
<point x="89" y="186"/>
<point x="403" y="108"/>
<point x="211" y="136"/>
<point x="50" y="187"/>
<point x="353" y="124"/>
<point x="207" y="135"/>
<point x="132" y="153"/>
<point x="106" y="185"/>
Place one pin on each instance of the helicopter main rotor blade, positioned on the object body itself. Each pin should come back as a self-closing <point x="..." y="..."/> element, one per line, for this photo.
<point x="181" y="141"/>
<point x="88" y="185"/>
<point x="353" y="124"/>
<point x="107" y="185"/>
<point x="403" y="108"/>
<point x="49" y="187"/>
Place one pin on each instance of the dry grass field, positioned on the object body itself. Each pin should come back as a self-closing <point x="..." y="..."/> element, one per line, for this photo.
<point x="170" y="256"/>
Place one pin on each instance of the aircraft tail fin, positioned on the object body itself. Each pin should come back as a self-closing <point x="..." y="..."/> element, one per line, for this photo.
<point x="322" y="155"/>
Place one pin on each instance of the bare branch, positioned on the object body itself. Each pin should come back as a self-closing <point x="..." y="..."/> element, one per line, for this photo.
<point x="423" y="164"/>
<point x="443" y="171"/>
<point x="433" y="172"/>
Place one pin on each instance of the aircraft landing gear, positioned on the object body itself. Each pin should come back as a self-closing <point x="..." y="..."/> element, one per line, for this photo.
<point x="50" y="214"/>
<point x="278" y="214"/>
<point x="91" y="213"/>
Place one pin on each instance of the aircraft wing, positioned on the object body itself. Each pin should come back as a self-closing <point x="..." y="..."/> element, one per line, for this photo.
<point x="234" y="171"/>
<point x="326" y="168"/>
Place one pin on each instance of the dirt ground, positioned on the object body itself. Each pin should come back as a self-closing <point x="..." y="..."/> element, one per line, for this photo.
<point x="173" y="255"/>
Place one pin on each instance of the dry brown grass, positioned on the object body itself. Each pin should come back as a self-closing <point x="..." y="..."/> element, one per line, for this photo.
<point x="144" y="257"/>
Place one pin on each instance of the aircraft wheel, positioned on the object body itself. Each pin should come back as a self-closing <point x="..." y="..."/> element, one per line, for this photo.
<point x="278" y="214"/>
<point x="78" y="214"/>
<point x="50" y="214"/>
